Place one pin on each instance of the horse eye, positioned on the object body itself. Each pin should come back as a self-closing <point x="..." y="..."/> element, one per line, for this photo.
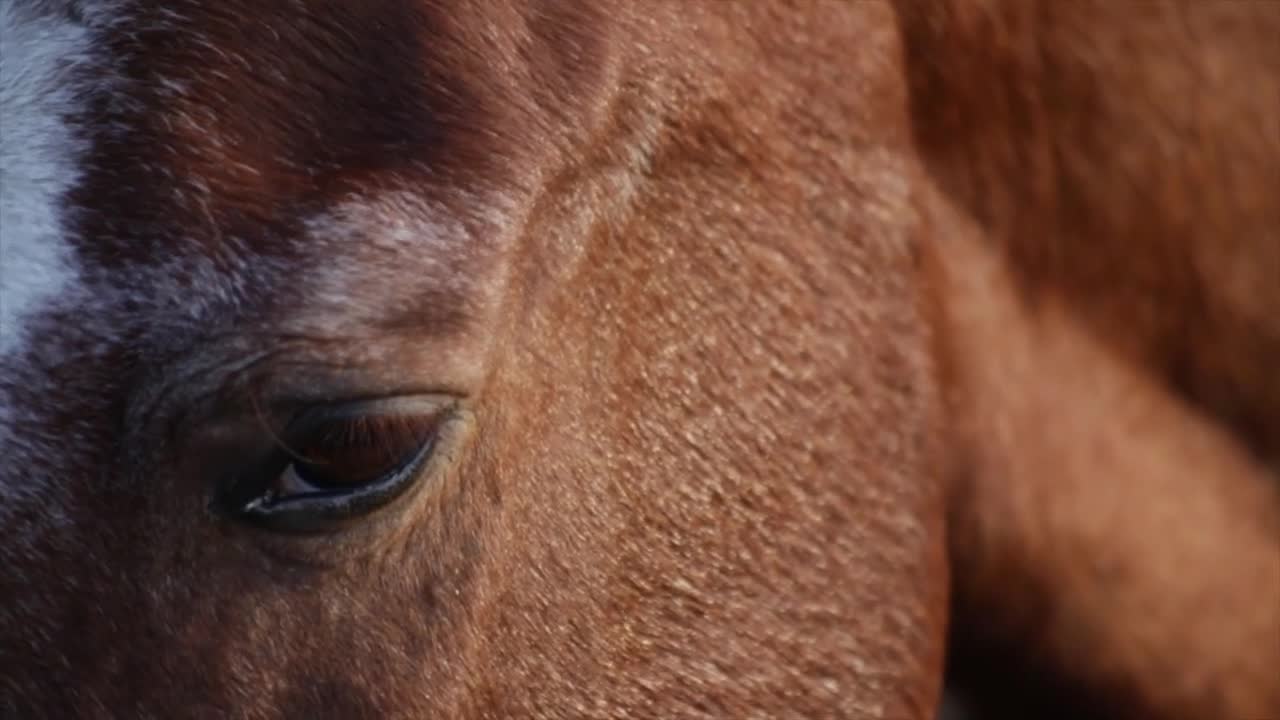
<point x="334" y="468"/>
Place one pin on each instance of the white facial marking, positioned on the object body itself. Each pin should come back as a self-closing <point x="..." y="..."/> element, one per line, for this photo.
<point x="42" y="52"/>
<point x="390" y="228"/>
<point x="39" y="158"/>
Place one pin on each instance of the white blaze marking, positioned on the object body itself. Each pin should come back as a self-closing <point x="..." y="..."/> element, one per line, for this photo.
<point x="41" y="51"/>
<point x="39" y="155"/>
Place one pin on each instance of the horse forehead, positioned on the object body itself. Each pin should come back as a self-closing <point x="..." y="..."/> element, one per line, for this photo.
<point x="109" y="224"/>
<point x="134" y="168"/>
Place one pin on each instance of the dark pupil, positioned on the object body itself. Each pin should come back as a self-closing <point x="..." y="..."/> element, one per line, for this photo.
<point x="357" y="452"/>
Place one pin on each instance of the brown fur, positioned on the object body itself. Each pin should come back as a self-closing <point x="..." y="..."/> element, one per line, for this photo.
<point x="1104" y="211"/>
<point x="778" y="325"/>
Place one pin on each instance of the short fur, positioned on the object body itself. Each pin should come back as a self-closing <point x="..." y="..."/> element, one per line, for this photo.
<point x="792" y="338"/>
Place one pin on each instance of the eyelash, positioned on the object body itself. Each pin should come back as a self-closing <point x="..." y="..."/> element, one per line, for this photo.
<point x="366" y="432"/>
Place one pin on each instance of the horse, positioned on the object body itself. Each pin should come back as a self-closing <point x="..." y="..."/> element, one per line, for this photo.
<point x="560" y="359"/>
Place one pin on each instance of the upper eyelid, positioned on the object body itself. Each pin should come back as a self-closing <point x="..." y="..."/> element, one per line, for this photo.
<point x="220" y="388"/>
<point x="210" y="377"/>
<point x="204" y="380"/>
<point x="241" y="393"/>
<point x="310" y="418"/>
<point x="309" y="414"/>
<point x="336" y="430"/>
